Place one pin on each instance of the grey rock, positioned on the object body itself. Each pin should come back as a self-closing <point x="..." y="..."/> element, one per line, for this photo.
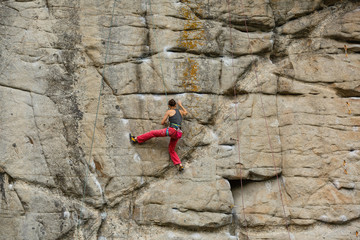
<point x="273" y="103"/>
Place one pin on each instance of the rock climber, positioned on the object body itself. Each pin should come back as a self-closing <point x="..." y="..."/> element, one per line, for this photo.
<point x="173" y="131"/>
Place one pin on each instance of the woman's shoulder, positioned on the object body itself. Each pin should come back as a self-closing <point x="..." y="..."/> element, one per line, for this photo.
<point x="171" y="112"/>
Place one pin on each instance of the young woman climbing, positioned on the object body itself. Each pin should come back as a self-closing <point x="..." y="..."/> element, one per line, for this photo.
<point x="173" y="131"/>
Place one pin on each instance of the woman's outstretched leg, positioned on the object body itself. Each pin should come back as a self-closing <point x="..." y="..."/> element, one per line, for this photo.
<point x="154" y="133"/>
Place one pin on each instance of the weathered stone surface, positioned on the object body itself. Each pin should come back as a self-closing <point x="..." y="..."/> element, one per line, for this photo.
<point x="23" y="154"/>
<point x="345" y="27"/>
<point x="30" y="212"/>
<point x="258" y="13"/>
<point x="285" y="10"/>
<point x="262" y="201"/>
<point x="277" y="106"/>
<point x="257" y="157"/>
<point x="304" y="24"/>
<point x="210" y="207"/>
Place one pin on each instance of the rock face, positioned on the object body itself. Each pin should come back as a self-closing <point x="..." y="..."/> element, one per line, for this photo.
<point x="270" y="147"/>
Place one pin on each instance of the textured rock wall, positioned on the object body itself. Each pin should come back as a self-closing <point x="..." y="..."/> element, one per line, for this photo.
<point x="293" y="124"/>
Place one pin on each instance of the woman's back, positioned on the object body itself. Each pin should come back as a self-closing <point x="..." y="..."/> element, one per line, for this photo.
<point x="175" y="118"/>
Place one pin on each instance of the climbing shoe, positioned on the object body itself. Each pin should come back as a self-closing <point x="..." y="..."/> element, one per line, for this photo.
<point x="180" y="167"/>
<point x="132" y="138"/>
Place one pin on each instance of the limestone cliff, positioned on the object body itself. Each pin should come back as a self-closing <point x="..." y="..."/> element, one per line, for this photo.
<point x="271" y="145"/>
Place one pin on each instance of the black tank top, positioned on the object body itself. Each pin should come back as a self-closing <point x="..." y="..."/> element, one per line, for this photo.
<point x="175" y="120"/>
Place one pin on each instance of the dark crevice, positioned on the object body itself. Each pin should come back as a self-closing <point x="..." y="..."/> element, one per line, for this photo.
<point x="11" y="7"/>
<point x="230" y="92"/>
<point x="190" y="228"/>
<point x="177" y="17"/>
<point x="235" y="184"/>
<point x="2" y="188"/>
<point x="220" y="74"/>
<point x="176" y="49"/>
<point x="347" y="93"/>
<point x="48" y="5"/>
<point x="20" y="89"/>
<point x="330" y="2"/>
<point x="287" y="93"/>
<point x="147" y="50"/>
<point x="345" y="39"/>
<point x="168" y="93"/>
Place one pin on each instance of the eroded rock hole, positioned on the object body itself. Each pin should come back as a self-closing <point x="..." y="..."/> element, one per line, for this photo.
<point x="236" y="186"/>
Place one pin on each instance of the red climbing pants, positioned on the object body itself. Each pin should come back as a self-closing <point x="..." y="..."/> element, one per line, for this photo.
<point x="162" y="133"/>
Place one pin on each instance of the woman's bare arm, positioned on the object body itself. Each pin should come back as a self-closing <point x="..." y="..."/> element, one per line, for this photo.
<point x="182" y="110"/>
<point x="163" y="121"/>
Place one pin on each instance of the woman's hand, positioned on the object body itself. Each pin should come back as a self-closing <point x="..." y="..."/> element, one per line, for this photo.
<point x="183" y="110"/>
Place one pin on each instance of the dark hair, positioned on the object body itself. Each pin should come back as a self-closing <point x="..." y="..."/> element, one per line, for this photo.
<point x="172" y="103"/>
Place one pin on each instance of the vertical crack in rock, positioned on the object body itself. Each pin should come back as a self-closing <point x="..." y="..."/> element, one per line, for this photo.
<point x="24" y="204"/>
<point x="2" y="183"/>
<point x="106" y="81"/>
<point x="38" y="132"/>
<point x="147" y="51"/>
<point x="48" y="6"/>
<point x="279" y="132"/>
<point x="220" y="75"/>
